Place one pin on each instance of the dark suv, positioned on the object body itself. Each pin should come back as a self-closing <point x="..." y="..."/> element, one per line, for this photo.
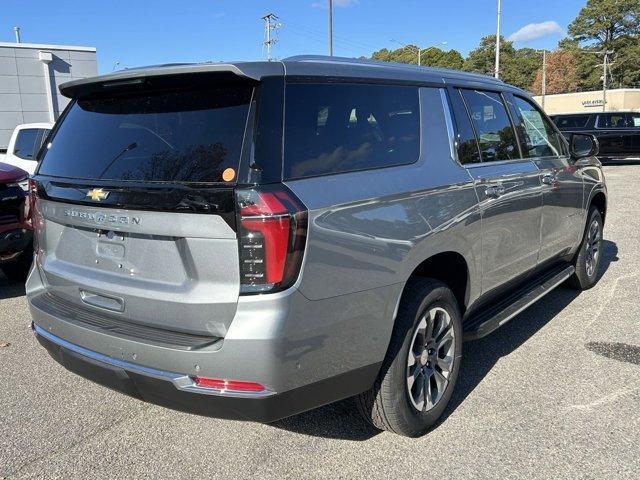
<point x="16" y="230"/>
<point x="253" y="240"/>
<point x="617" y="132"/>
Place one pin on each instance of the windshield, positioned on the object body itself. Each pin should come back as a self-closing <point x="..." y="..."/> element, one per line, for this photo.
<point x="177" y="136"/>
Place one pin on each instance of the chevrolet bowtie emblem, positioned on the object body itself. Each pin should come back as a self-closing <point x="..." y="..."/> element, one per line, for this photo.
<point x="97" y="194"/>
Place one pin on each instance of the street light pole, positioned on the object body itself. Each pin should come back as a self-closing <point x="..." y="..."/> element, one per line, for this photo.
<point x="496" y="72"/>
<point x="418" y="50"/>
<point x="544" y="76"/>
<point x="331" y="28"/>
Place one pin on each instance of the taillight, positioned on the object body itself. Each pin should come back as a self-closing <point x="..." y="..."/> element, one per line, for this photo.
<point x="34" y="216"/>
<point x="272" y="231"/>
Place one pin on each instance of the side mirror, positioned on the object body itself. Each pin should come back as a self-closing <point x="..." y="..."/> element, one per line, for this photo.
<point x="583" y="145"/>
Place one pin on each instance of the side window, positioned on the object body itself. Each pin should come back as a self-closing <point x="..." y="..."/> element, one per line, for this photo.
<point x="335" y="128"/>
<point x="571" y="121"/>
<point x="537" y="136"/>
<point x="466" y="139"/>
<point x="495" y="133"/>
<point x="612" y="120"/>
<point x="633" y="120"/>
<point x="25" y="146"/>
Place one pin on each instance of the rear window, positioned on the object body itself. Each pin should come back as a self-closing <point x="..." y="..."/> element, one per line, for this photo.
<point x="571" y="121"/>
<point x="334" y="128"/>
<point x="177" y="136"/>
<point x="28" y="142"/>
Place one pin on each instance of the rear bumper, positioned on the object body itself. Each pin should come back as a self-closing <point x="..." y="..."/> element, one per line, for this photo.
<point x="178" y="392"/>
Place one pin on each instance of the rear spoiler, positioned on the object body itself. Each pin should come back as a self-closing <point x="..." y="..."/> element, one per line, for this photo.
<point x="249" y="71"/>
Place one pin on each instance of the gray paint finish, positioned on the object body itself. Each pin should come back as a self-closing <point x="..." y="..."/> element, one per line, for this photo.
<point x="367" y="233"/>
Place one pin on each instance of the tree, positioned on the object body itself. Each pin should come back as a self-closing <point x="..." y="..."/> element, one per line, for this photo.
<point x="562" y="73"/>
<point x="607" y="25"/>
<point x="603" y="22"/>
<point x="517" y="67"/>
<point x="430" y="57"/>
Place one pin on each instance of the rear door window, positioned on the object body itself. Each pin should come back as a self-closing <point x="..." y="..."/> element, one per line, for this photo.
<point x="612" y="120"/>
<point x="490" y="119"/>
<point x="27" y="143"/>
<point x="538" y="138"/>
<point x="335" y="128"/>
<point x="155" y="136"/>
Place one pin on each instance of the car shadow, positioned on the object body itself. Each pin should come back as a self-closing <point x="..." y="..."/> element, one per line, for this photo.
<point x="341" y="420"/>
<point x="10" y="289"/>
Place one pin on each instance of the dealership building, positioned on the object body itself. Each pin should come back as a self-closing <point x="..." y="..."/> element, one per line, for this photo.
<point x="617" y="100"/>
<point x="30" y="75"/>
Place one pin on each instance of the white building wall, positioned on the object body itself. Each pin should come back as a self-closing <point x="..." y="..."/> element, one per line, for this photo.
<point x="25" y="70"/>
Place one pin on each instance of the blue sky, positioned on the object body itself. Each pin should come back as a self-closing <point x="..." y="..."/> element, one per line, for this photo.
<point x="143" y="32"/>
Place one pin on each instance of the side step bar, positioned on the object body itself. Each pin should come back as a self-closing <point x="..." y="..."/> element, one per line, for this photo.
<point x="494" y="317"/>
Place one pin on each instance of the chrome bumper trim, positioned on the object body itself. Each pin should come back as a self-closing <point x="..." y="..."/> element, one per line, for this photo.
<point x="180" y="381"/>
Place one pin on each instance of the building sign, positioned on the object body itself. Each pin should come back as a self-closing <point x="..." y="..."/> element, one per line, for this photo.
<point x="593" y="103"/>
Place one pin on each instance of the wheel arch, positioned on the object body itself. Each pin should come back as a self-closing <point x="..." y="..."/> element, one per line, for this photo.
<point x="452" y="269"/>
<point x="599" y="200"/>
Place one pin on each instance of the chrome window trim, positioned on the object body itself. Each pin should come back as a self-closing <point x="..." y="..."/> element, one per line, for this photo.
<point x="449" y="122"/>
<point x="180" y="381"/>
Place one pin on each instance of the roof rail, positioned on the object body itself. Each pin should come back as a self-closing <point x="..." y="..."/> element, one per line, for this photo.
<point x="384" y="64"/>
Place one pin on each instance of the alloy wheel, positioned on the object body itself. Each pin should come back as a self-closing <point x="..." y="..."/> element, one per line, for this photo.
<point x="594" y="239"/>
<point x="430" y="359"/>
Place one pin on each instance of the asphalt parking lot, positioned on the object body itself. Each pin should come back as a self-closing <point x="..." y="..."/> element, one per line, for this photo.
<point x="553" y="394"/>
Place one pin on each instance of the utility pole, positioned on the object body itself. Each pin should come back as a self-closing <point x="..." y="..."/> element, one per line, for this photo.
<point x="544" y="76"/>
<point x="331" y="28"/>
<point x="604" y="81"/>
<point x="270" y="24"/>
<point x="496" y="72"/>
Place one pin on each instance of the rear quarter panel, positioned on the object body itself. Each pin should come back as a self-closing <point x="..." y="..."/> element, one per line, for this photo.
<point x="370" y="230"/>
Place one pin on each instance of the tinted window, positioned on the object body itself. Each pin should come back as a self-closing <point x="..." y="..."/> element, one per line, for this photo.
<point x="571" y="121"/>
<point x="612" y="120"/>
<point x="180" y="136"/>
<point x="538" y="138"/>
<point x="492" y="125"/>
<point x="337" y="128"/>
<point x="466" y="139"/>
<point x="633" y="120"/>
<point x="26" y="143"/>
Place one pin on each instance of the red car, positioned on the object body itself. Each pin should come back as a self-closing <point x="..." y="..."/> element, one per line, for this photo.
<point x="16" y="230"/>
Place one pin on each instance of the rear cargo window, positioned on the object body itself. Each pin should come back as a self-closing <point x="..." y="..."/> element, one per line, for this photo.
<point x="177" y="136"/>
<point x="334" y="128"/>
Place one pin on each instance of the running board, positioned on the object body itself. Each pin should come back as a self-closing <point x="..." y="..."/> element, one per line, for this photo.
<point x="495" y="316"/>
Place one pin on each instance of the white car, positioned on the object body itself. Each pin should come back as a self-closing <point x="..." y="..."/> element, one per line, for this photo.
<point x="25" y="142"/>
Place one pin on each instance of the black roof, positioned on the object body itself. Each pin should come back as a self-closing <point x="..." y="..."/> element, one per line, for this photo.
<point x="306" y="65"/>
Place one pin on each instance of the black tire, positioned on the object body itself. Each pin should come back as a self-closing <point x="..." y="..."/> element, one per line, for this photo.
<point x="586" y="276"/>
<point x="18" y="270"/>
<point x="389" y="405"/>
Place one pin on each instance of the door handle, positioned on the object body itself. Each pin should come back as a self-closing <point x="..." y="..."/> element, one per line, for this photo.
<point x="494" y="191"/>
<point x="549" y="178"/>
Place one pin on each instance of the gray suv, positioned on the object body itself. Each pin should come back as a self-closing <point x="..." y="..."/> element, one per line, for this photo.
<point x="253" y="240"/>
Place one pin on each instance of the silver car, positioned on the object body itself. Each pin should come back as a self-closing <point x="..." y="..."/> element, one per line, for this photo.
<point x="253" y="240"/>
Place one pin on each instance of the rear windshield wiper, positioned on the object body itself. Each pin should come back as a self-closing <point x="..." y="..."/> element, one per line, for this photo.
<point x="126" y="149"/>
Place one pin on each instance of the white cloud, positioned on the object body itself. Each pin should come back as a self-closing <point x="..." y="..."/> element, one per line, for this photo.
<point x="534" y="31"/>
<point x="336" y="3"/>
